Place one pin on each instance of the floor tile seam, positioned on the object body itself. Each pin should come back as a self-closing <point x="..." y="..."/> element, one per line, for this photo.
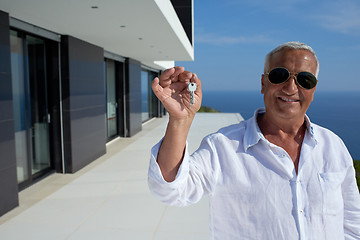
<point x="139" y="145"/>
<point x="121" y="228"/>
<point x="128" y="141"/>
<point x="183" y="231"/>
<point x="122" y="191"/>
<point x="156" y="230"/>
<point x="92" y="213"/>
<point x="131" y="144"/>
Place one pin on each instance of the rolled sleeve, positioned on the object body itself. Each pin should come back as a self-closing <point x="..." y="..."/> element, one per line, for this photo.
<point x="167" y="192"/>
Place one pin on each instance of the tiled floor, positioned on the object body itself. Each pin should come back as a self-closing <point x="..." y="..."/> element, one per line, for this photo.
<point x="110" y="199"/>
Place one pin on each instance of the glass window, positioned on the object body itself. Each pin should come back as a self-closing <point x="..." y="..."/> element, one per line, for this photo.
<point x="37" y="80"/>
<point x="111" y="100"/>
<point x="144" y="96"/>
<point x="31" y="118"/>
<point x="19" y="102"/>
<point x="153" y="101"/>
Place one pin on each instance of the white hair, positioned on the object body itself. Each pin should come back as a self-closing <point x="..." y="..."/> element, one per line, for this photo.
<point x="290" y="45"/>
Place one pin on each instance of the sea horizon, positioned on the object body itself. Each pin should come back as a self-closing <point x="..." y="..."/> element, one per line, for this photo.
<point x="338" y="111"/>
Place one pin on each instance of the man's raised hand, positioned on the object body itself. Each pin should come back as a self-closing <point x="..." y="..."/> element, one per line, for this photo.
<point x="171" y="89"/>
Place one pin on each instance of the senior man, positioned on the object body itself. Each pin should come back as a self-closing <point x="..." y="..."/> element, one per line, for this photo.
<point x="273" y="176"/>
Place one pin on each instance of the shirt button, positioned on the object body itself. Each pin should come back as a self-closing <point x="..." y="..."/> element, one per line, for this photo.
<point x="301" y="211"/>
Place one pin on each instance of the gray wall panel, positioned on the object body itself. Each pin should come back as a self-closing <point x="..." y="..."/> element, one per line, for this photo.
<point x="84" y="102"/>
<point x="133" y="80"/>
<point x="88" y="138"/>
<point x="9" y="189"/>
<point x="8" y="179"/>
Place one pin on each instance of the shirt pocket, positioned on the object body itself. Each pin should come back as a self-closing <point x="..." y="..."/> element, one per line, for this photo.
<point x="330" y="183"/>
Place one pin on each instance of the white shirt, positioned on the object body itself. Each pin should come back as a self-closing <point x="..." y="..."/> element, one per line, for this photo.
<point x="255" y="192"/>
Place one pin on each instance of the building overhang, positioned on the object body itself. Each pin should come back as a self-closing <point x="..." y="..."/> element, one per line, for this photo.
<point x="146" y="30"/>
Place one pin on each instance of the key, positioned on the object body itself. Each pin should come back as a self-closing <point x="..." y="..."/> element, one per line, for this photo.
<point x="191" y="87"/>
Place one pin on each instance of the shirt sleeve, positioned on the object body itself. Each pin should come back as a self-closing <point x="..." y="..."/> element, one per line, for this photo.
<point x="166" y="192"/>
<point x="351" y="198"/>
<point x="192" y="181"/>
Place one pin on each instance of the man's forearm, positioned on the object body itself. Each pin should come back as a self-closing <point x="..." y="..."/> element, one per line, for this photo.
<point x="172" y="147"/>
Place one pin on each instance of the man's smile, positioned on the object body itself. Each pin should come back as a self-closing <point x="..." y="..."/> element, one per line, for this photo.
<point x="288" y="99"/>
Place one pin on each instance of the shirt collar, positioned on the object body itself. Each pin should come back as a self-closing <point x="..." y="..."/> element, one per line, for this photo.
<point x="310" y="130"/>
<point x="253" y="133"/>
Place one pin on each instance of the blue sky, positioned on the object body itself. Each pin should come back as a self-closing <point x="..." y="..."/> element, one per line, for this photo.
<point x="232" y="38"/>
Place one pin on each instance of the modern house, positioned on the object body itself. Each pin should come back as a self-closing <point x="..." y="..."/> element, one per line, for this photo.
<point x="75" y="75"/>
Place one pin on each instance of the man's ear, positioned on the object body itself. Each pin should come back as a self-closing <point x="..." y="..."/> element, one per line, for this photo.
<point x="263" y="79"/>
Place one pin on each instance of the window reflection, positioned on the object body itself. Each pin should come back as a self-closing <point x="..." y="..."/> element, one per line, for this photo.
<point x="18" y="90"/>
<point x="145" y="96"/>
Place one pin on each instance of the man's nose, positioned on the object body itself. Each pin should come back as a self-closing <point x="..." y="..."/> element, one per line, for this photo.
<point x="290" y="87"/>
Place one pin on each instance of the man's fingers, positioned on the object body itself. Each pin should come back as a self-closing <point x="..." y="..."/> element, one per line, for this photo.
<point x="155" y="86"/>
<point x="158" y="90"/>
<point x="186" y="75"/>
<point x="178" y="70"/>
<point x="174" y="74"/>
<point x="155" y="83"/>
<point x="167" y="74"/>
<point x="171" y="74"/>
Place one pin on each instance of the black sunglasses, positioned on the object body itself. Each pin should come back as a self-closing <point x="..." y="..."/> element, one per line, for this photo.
<point x="280" y="75"/>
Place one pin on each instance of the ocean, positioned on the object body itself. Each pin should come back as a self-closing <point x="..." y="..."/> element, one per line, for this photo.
<point x="337" y="111"/>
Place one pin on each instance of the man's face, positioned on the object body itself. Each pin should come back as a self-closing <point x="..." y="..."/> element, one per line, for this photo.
<point x="287" y="100"/>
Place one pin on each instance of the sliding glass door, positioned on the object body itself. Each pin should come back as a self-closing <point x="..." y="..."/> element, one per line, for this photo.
<point x="20" y="108"/>
<point x="40" y="118"/>
<point x="28" y="63"/>
<point x="111" y="111"/>
<point x="145" y="89"/>
<point x="149" y="102"/>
